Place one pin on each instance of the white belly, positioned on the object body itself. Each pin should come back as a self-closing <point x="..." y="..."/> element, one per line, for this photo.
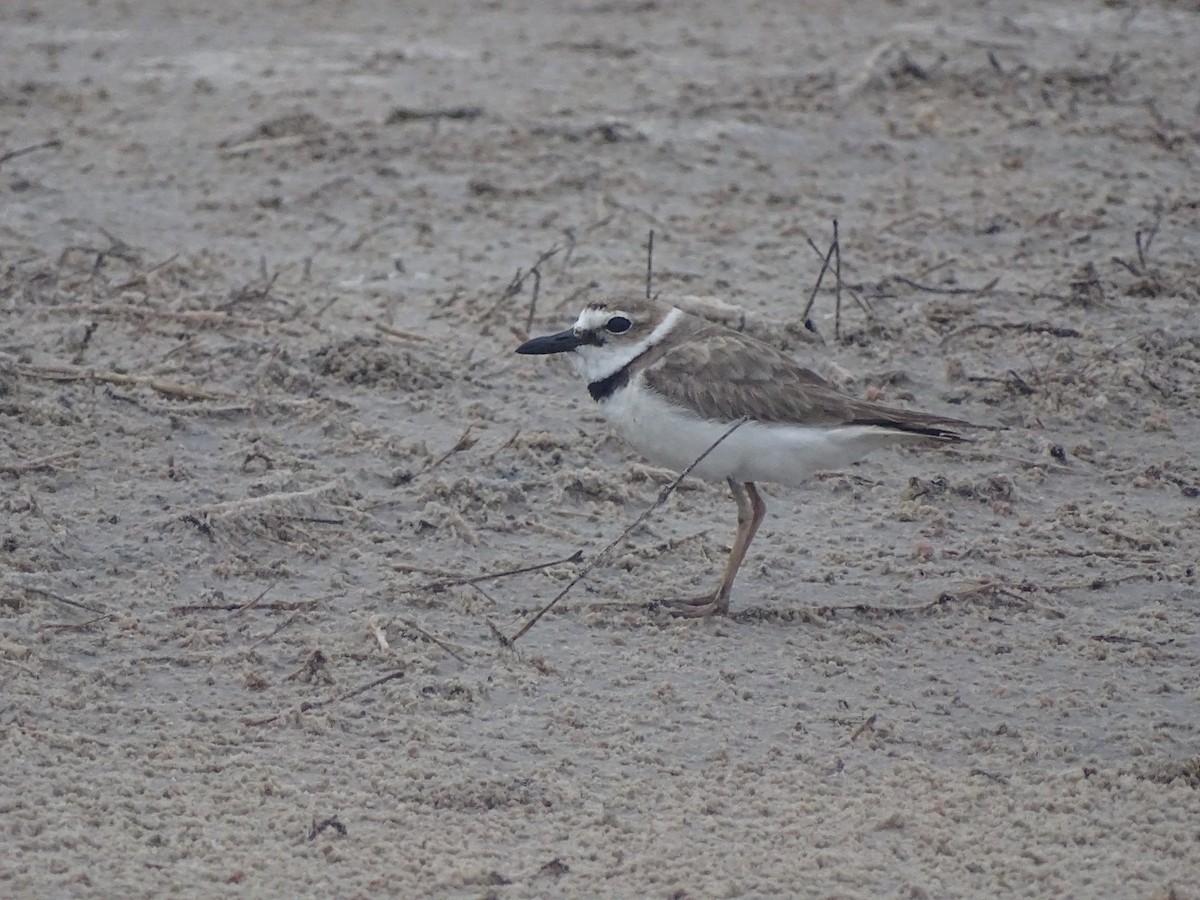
<point x="785" y="454"/>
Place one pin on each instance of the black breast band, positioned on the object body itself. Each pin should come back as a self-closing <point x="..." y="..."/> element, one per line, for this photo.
<point x="604" y="388"/>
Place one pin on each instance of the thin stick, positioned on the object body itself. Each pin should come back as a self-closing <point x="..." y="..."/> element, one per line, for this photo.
<point x="937" y="290"/>
<point x="28" y="588"/>
<point x="577" y="556"/>
<point x="1098" y="583"/>
<point x="1143" y="247"/>
<point x="198" y="317"/>
<point x="408" y="114"/>
<point x="68" y="626"/>
<point x="16" y="665"/>
<point x="13" y="154"/>
<point x="998" y="589"/>
<point x="868" y="724"/>
<point x="307" y="706"/>
<point x="247" y="504"/>
<point x="837" y="307"/>
<point x="514" y="286"/>
<point x="409" y="623"/>
<point x="276" y="606"/>
<point x="649" y="263"/>
<point x="929" y="270"/>
<point x="812" y="298"/>
<point x="533" y="298"/>
<point x="282" y="625"/>
<point x="662" y="498"/>
<point x="161" y="385"/>
<point x="400" y="333"/>
<point x="254" y="602"/>
<point x="1022" y="327"/>
<point x="37" y="465"/>
<point x="464" y="442"/>
<point x="331" y="822"/>
<point x="140" y="278"/>
<point x="499" y="635"/>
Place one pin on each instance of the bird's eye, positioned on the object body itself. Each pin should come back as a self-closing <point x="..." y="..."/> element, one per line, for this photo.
<point x="617" y="325"/>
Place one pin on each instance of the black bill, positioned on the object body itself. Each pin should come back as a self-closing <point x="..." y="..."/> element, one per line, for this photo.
<point x="551" y="343"/>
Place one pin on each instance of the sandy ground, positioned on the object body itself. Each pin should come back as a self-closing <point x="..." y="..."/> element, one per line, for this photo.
<point x="261" y="275"/>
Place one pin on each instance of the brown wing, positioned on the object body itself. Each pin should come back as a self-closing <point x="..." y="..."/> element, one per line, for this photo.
<point x="751" y="378"/>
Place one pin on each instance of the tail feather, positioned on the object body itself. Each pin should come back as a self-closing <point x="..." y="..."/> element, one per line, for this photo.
<point x="930" y="428"/>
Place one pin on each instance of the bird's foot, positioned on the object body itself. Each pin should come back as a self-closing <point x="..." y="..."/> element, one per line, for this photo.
<point x="702" y="607"/>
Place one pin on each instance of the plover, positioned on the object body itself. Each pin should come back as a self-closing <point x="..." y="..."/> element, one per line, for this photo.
<point x="673" y="383"/>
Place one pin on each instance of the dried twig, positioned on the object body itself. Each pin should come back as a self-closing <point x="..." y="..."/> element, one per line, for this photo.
<point x="515" y="286"/>
<point x="1021" y="327"/>
<point x="16" y="665"/>
<point x="827" y="257"/>
<point x="663" y="496"/>
<point x="533" y="298"/>
<point x="837" y="271"/>
<point x="277" y="606"/>
<point x="310" y="705"/>
<point x="408" y="114"/>
<point x="1009" y="379"/>
<point x="441" y="585"/>
<point x="196" y="317"/>
<point x="40" y="464"/>
<point x="997" y="589"/>
<point x="400" y="333"/>
<point x="649" y="264"/>
<point x="161" y="385"/>
<point x="280" y="627"/>
<point x="929" y="270"/>
<point x="868" y="724"/>
<point x="58" y="598"/>
<point x="464" y="442"/>
<point x="80" y="626"/>
<point x="253" y="603"/>
<point x="332" y="822"/>
<point x="13" y="154"/>
<point x="409" y="623"/>
<point x="930" y="289"/>
<point x="247" y="504"/>
<point x="141" y="277"/>
<point x="1098" y="583"/>
<point x="1143" y="247"/>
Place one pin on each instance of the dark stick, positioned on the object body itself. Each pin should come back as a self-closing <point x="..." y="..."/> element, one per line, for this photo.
<point x="465" y="442"/>
<point x="13" y="154"/>
<point x="317" y="704"/>
<point x="649" y="263"/>
<point x="536" y="272"/>
<point x="812" y="298"/>
<point x="662" y="498"/>
<point x="837" y="307"/>
<point x="533" y="299"/>
<point x="57" y="597"/>
<point x="409" y="623"/>
<point x="492" y="576"/>
<point x="937" y="290"/>
<point x="1143" y="246"/>
<point x="1022" y="327"/>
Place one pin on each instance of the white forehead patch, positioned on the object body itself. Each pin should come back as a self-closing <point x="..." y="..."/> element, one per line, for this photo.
<point x="591" y="318"/>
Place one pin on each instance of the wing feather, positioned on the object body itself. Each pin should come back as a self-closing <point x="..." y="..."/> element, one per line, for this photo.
<point x="724" y="375"/>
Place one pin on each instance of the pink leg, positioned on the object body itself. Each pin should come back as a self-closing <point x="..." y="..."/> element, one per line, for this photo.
<point x="751" y="510"/>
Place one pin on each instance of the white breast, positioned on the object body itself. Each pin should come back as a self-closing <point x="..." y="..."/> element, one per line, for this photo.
<point x="672" y="437"/>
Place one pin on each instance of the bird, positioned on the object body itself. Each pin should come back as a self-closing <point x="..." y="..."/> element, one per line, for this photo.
<point x="673" y="385"/>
